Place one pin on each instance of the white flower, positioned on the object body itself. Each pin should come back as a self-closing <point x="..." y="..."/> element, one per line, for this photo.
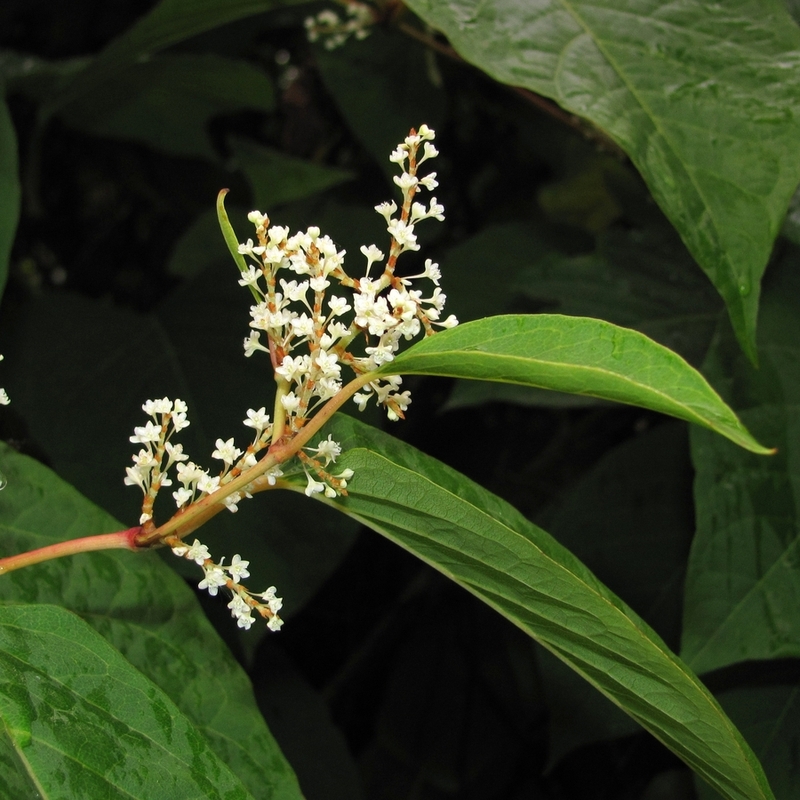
<point x="181" y="497"/>
<point x="4" y="398"/>
<point x="313" y="487"/>
<point x="238" y="569"/>
<point x="226" y="451"/>
<point x="275" y="623"/>
<point x="248" y="249"/>
<point x="257" y="419"/>
<point x="398" y="156"/>
<point x="207" y="484"/>
<point x="136" y="477"/>
<point x="406" y="181"/>
<point x="146" y="433"/>
<point x="250" y="276"/>
<point x="198" y="553"/>
<point x="429" y="181"/>
<point x="327" y="449"/>
<point x="290" y="402"/>
<point x="258" y="219"/>
<point x="214" y="578"/>
<point x="338" y="305"/>
<point x="403" y="234"/>
<point x="386" y="210"/>
<point x="428" y="151"/>
<point x="253" y="343"/>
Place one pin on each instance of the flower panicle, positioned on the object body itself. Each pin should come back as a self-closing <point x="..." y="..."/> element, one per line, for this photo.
<point x="311" y="333"/>
<point x="217" y="575"/>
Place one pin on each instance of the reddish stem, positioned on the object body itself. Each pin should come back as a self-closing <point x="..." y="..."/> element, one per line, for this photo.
<point x="121" y="540"/>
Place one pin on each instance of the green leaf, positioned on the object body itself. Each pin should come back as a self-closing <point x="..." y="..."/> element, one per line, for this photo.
<point x="144" y="610"/>
<point x="577" y="355"/>
<point x="637" y="547"/>
<point x="701" y="96"/>
<point x="743" y="583"/>
<point x="277" y="178"/>
<point x="167" y="102"/>
<point x="85" y="723"/>
<point x="169" y="22"/>
<point x="490" y="549"/>
<point x="770" y="718"/>
<point x="9" y="190"/>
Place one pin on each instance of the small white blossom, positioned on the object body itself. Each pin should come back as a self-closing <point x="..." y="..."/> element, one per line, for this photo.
<point x="226" y="452"/>
<point x="238" y="569"/>
<point x="257" y="419"/>
<point x="198" y="553"/>
<point x="214" y="578"/>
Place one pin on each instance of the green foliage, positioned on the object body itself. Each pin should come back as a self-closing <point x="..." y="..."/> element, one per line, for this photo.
<point x="152" y="625"/>
<point x="494" y="552"/>
<point x="718" y="154"/>
<point x="579" y="356"/>
<point x="130" y="738"/>
<point x="438" y="693"/>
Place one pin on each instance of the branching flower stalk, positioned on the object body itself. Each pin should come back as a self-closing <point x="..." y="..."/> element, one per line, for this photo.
<point x="310" y="335"/>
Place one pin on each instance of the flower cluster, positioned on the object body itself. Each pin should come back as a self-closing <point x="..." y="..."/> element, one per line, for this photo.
<point x="310" y="335"/>
<point x="217" y="575"/>
<point x="335" y="31"/>
<point x="297" y="313"/>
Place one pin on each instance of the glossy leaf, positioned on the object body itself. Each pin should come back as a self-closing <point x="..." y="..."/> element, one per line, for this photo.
<point x="85" y="723"/>
<point x="490" y="549"/>
<point x="743" y="584"/>
<point x="167" y="101"/>
<point x="9" y="190"/>
<point x="577" y="355"/>
<point x="169" y="22"/>
<point x="701" y="96"/>
<point x="144" y="610"/>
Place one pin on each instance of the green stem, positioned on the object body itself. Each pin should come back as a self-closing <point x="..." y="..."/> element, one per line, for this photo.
<point x="121" y="540"/>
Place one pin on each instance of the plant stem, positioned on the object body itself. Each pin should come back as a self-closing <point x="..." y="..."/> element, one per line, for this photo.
<point x="121" y="540"/>
<point x="197" y="514"/>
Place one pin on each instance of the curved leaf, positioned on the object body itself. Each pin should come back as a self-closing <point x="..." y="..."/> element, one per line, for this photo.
<point x="85" y="723"/>
<point x="486" y="546"/>
<point x="702" y="96"/>
<point x="145" y="611"/>
<point x="576" y="355"/>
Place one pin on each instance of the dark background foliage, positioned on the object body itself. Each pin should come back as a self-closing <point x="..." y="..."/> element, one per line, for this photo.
<point x="387" y="682"/>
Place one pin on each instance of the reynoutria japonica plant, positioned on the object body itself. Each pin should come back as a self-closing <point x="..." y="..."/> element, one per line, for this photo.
<point x="325" y="332"/>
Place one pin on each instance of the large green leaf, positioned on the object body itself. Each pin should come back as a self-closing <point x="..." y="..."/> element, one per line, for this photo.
<point x="486" y="546"/>
<point x="743" y="583"/>
<point x="144" y="610"/>
<point x="169" y="22"/>
<point x="167" y="101"/>
<point x="85" y="723"/>
<point x="9" y="190"/>
<point x="576" y="355"/>
<point x="702" y="96"/>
